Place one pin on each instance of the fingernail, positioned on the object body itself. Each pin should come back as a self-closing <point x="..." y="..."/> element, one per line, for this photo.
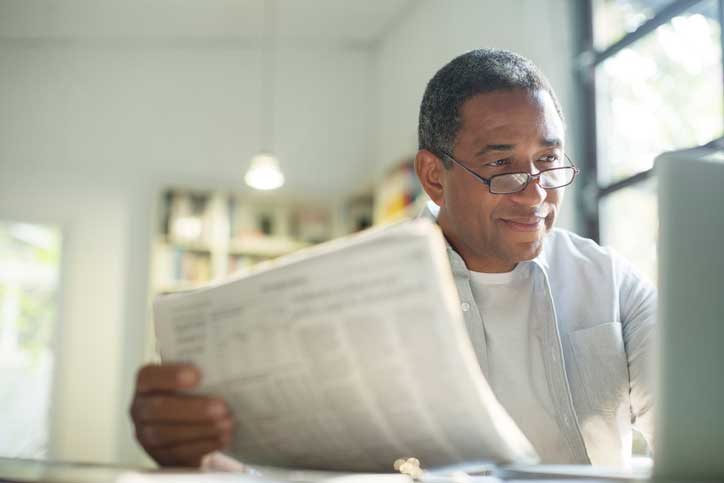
<point x="186" y="377"/>
<point x="216" y="409"/>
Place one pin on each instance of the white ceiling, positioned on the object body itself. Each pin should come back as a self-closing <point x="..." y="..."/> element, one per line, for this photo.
<point x="352" y="21"/>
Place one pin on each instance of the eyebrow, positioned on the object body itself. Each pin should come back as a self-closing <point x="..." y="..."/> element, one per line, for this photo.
<point x="551" y="142"/>
<point x="547" y="142"/>
<point x="495" y="147"/>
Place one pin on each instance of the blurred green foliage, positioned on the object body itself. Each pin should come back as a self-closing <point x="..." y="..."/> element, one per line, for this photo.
<point x="29" y="271"/>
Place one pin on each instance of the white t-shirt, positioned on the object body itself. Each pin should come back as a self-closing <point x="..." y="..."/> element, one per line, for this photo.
<point x="517" y="374"/>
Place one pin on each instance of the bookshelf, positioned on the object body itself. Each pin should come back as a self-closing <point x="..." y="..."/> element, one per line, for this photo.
<point x="205" y="236"/>
<point x="398" y="195"/>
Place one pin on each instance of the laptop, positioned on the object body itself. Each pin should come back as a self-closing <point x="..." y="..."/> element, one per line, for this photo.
<point x="689" y="441"/>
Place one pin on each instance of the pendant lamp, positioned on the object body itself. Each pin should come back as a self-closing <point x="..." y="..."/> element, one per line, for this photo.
<point x="264" y="172"/>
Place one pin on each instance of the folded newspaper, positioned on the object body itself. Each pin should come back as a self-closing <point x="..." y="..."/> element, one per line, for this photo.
<point x="345" y="356"/>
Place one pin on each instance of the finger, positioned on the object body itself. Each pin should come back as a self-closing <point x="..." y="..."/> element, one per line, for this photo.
<point x="189" y="454"/>
<point x="167" y="377"/>
<point x="167" y="435"/>
<point x="178" y="409"/>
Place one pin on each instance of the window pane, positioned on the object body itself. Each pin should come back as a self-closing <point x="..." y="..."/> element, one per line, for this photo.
<point x="612" y="19"/>
<point x="662" y="93"/>
<point x="29" y="269"/>
<point x="629" y="224"/>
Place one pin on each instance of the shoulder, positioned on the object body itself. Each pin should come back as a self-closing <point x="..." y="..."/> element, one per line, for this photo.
<point x="565" y="247"/>
<point x="565" y="252"/>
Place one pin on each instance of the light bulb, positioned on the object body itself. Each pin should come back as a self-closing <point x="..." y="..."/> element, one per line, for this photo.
<point x="264" y="173"/>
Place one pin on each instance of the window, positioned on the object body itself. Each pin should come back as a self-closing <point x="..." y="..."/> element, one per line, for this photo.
<point x="29" y="275"/>
<point x="654" y="84"/>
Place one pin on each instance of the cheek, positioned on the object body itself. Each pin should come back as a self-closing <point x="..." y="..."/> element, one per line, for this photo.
<point x="554" y="200"/>
<point x="468" y="208"/>
<point x="471" y="206"/>
<point x="486" y="209"/>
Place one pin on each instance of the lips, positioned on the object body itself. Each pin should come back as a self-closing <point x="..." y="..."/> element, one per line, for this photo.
<point x="527" y="223"/>
<point x="529" y="220"/>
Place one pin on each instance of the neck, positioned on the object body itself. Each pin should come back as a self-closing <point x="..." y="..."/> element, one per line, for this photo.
<point x="483" y="267"/>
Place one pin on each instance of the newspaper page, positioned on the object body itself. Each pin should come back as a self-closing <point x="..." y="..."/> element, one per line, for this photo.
<point x="345" y="357"/>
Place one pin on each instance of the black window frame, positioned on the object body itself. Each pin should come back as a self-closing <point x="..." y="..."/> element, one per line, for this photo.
<point x="592" y="193"/>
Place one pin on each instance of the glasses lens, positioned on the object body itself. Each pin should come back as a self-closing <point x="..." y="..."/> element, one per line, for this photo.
<point x="555" y="178"/>
<point x="508" y="183"/>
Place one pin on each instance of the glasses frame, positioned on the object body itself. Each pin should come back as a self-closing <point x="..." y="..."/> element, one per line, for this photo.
<point x="488" y="181"/>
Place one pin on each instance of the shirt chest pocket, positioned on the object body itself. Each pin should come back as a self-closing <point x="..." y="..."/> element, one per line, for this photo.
<point x="600" y="358"/>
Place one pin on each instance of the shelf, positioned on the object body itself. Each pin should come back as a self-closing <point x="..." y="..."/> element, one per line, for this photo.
<point x="179" y="287"/>
<point x="190" y="246"/>
<point x="264" y="246"/>
<point x="208" y="235"/>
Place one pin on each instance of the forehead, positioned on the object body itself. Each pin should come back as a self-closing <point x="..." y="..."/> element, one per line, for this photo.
<point x="511" y="116"/>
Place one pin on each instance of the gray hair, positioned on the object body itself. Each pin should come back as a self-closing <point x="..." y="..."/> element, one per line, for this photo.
<point x="470" y="74"/>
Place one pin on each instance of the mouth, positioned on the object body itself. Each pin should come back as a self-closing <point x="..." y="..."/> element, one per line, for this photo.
<point x="528" y="223"/>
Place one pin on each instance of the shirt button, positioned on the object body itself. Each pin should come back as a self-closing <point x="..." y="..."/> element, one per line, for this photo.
<point x="465" y="306"/>
<point x="566" y="420"/>
<point x="554" y="356"/>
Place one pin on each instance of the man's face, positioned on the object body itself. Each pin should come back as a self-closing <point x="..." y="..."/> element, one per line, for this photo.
<point x="501" y="131"/>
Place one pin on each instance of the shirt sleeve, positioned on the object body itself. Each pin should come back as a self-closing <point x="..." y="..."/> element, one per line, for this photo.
<point x="638" y="320"/>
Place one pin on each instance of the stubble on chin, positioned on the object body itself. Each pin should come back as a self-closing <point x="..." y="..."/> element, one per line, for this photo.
<point x="526" y="251"/>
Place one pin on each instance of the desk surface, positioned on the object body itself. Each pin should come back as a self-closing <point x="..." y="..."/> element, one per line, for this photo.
<point x="34" y="471"/>
<point x="23" y="470"/>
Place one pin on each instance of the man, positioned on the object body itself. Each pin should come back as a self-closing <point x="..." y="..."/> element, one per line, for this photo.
<point x="561" y="327"/>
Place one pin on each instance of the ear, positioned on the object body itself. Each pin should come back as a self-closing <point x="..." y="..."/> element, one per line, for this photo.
<point x="430" y="172"/>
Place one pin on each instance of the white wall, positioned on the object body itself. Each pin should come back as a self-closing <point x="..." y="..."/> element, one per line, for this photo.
<point x="434" y="32"/>
<point x="189" y="110"/>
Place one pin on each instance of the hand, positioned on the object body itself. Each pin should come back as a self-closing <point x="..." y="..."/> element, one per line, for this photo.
<point x="177" y="429"/>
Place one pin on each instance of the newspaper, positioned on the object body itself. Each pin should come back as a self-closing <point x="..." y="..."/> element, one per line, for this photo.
<point x="345" y="357"/>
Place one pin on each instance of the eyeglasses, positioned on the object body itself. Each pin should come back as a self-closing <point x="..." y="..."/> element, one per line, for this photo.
<point x="507" y="183"/>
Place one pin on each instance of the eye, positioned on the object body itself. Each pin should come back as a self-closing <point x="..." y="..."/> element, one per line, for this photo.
<point x="550" y="158"/>
<point x="498" y="163"/>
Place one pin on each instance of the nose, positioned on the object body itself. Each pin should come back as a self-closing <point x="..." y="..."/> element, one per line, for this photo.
<point x="532" y="195"/>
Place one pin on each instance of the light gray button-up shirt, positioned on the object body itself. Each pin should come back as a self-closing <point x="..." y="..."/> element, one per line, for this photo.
<point x="595" y="325"/>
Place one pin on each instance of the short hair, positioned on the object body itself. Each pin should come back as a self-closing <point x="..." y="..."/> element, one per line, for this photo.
<point x="475" y="72"/>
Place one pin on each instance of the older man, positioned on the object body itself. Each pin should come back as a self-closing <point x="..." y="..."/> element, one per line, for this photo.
<point x="562" y="328"/>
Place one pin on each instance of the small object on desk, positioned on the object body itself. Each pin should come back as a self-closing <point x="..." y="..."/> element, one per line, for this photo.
<point x="409" y="466"/>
